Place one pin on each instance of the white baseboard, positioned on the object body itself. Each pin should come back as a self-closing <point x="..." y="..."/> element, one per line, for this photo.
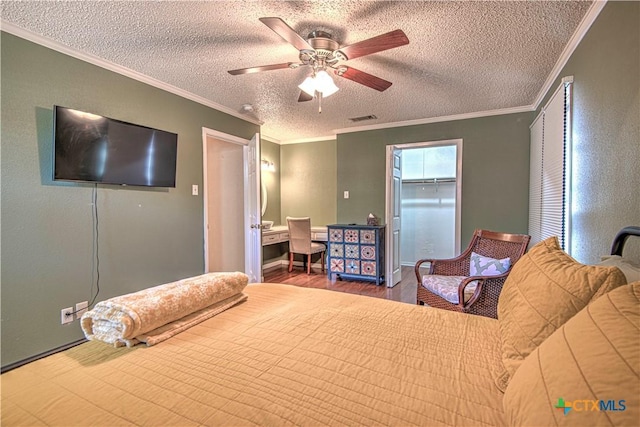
<point x="284" y="262"/>
<point x="276" y="263"/>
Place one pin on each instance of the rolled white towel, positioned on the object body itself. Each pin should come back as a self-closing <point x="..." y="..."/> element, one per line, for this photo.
<point x="121" y="319"/>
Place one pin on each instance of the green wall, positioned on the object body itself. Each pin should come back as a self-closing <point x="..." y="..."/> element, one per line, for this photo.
<point x="606" y="131"/>
<point x="495" y="170"/>
<point x="146" y="236"/>
<point x="308" y="181"/>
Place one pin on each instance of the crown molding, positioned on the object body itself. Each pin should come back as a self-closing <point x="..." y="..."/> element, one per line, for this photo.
<point x="303" y="140"/>
<point x="269" y="138"/>
<point x="588" y="19"/>
<point x="474" y="115"/>
<point x="297" y="141"/>
<point x="127" y="72"/>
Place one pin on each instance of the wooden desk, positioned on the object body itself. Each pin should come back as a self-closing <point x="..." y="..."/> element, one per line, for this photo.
<point x="280" y="234"/>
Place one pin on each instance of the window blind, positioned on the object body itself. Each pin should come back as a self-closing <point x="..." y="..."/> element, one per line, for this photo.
<point x="549" y="178"/>
<point x="535" y="179"/>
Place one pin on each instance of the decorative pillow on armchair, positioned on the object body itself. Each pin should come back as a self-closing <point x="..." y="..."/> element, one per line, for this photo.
<point x="544" y="289"/>
<point x="485" y="266"/>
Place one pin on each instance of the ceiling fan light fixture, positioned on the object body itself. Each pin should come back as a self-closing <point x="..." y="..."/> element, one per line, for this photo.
<point x="325" y="84"/>
<point x="308" y="86"/>
<point x="321" y="82"/>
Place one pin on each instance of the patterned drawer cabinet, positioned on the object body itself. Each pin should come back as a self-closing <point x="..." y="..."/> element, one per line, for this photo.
<point x="356" y="252"/>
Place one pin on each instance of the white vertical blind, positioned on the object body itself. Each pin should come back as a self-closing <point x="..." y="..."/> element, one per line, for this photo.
<point x="550" y="171"/>
<point x="535" y="179"/>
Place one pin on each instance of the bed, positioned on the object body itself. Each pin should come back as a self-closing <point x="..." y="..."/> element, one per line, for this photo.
<point x="307" y="357"/>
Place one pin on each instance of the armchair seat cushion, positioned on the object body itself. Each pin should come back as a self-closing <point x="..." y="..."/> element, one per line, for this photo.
<point x="447" y="287"/>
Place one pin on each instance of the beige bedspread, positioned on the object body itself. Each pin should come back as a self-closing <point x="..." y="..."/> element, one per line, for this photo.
<point x="286" y="356"/>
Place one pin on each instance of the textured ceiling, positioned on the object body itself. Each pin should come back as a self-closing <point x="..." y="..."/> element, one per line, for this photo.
<point x="463" y="57"/>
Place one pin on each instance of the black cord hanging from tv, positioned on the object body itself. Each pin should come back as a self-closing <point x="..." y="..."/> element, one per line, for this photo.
<point x="96" y="247"/>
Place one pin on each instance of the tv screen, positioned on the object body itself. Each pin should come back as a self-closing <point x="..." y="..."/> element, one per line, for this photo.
<point x="92" y="148"/>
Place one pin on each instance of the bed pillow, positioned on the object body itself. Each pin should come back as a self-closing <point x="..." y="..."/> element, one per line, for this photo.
<point x="592" y="358"/>
<point x="544" y="289"/>
<point x="484" y="266"/>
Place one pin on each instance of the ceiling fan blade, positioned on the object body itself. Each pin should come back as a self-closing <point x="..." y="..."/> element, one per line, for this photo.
<point x="375" y="44"/>
<point x="304" y="97"/>
<point x="363" y="78"/>
<point x="286" y="32"/>
<point x="261" y="68"/>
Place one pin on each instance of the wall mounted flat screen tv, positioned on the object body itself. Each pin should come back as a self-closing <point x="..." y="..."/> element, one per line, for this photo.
<point x="92" y="148"/>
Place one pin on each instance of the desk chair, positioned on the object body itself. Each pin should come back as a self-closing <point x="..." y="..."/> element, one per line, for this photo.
<point x="300" y="241"/>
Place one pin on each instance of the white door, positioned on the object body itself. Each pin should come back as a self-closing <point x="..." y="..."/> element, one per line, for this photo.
<point x="253" y="207"/>
<point x="393" y="273"/>
<point x="235" y="245"/>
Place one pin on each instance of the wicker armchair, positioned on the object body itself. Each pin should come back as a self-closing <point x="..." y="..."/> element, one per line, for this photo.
<point x="483" y="300"/>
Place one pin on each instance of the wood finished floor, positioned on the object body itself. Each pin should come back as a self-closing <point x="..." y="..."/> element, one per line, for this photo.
<point x="405" y="291"/>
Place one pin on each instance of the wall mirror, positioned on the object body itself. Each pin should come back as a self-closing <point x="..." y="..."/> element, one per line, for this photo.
<point x="263" y="189"/>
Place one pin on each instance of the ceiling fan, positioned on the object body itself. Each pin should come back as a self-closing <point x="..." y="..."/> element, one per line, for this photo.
<point x="321" y="52"/>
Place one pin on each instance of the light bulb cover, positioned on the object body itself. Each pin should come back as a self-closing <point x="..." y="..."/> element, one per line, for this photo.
<point x="321" y="82"/>
<point x="308" y="86"/>
<point x="325" y="84"/>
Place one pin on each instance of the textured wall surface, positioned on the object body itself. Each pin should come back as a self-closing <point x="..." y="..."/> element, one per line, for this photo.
<point x="606" y="132"/>
<point x="309" y="181"/>
<point x="146" y="236"/>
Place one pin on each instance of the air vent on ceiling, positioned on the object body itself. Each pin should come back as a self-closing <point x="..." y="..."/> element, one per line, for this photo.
<point x="363" y="118"/>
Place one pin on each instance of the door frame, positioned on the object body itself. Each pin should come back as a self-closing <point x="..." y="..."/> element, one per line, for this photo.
<point x="393" y="209"/>
<point x="224" y="137"/>
<point x="389" y="202"/>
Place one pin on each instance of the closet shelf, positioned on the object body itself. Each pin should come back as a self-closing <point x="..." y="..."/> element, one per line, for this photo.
<point x="428" y="180"/>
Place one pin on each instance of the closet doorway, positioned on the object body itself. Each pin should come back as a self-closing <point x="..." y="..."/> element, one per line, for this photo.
<point x="427" y="202"/>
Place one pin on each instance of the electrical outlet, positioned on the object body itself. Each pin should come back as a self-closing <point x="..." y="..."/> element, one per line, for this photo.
<point x="81" y="308"/>
<point x="66" y="316"/>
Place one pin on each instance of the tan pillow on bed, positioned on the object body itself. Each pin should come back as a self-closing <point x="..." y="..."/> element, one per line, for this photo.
<point x="545" y="288"/>
<point x="592" y="357"/>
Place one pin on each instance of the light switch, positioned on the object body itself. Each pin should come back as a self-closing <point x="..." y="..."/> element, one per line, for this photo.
<point x="346" y="194"/>
<point x="194" y="190"/>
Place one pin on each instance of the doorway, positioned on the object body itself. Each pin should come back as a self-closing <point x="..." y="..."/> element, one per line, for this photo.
<point x="425" y="204"/>
<point x="230" y="192"/>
